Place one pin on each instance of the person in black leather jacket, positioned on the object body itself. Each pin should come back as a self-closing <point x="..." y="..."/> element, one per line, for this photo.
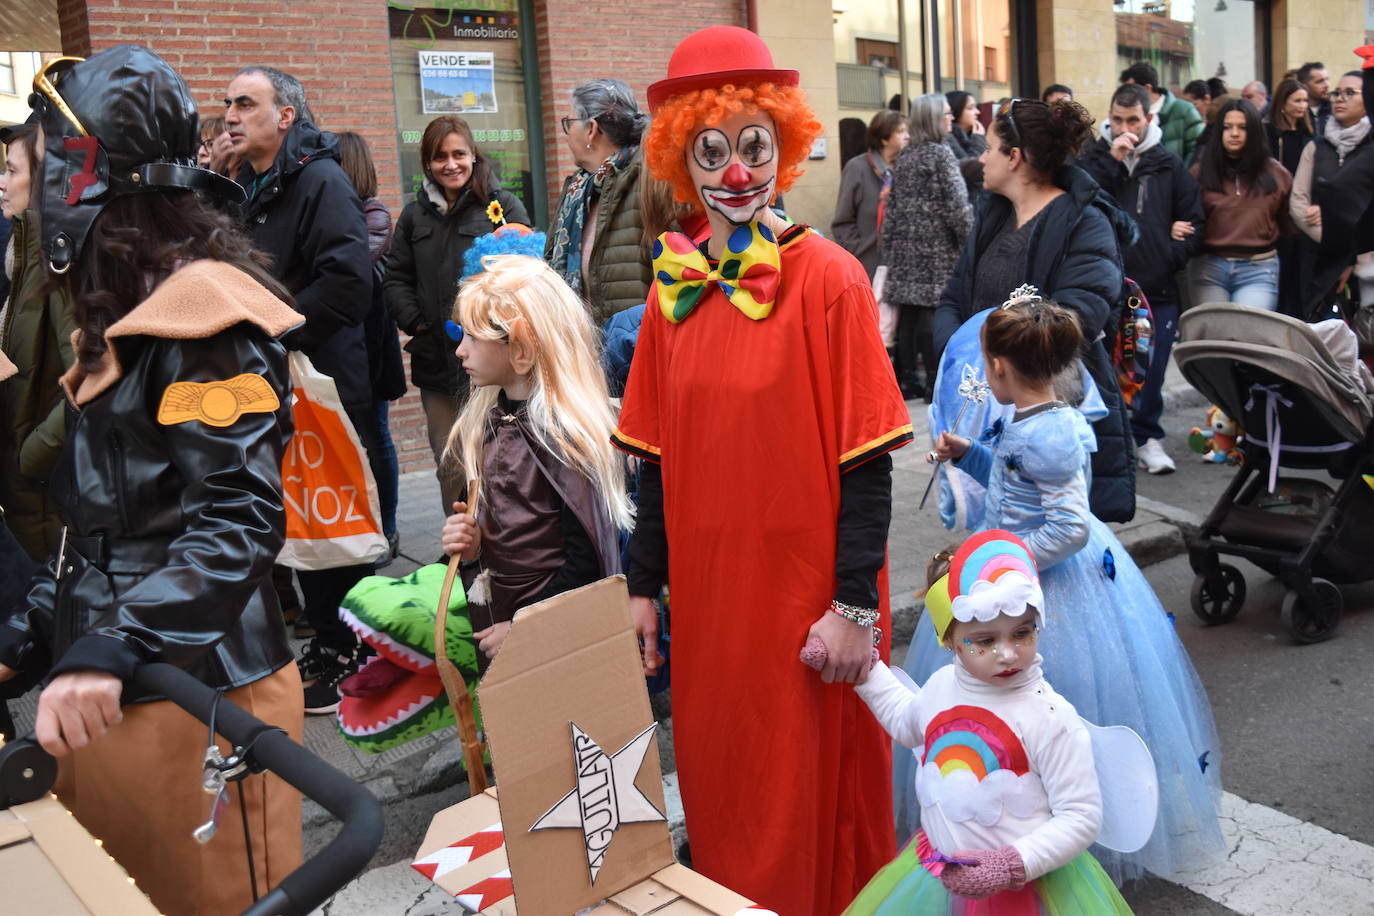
<point x="170" y="486"/>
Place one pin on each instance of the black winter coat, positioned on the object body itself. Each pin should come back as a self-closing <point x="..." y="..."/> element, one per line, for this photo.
<point x="172" y="495"/>
<point x="1074" y="257"/>
<point x="422" y="274"/>
<point x="1157" y="194"/>
<point x="307" y="216"/>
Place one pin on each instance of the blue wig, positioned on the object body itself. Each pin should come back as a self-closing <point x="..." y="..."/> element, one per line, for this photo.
<point x="511" y="238"/>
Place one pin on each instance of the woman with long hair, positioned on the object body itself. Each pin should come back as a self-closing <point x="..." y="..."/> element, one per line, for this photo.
<point x="928" y="217"/>
<point x="36" y="327"/>
<point x="1245" y="198"/>
<point x="1047" y="223"/>
<point x="170" y="488"/>
<point x="459" y="200"/>
<point x="1289" y="130"/>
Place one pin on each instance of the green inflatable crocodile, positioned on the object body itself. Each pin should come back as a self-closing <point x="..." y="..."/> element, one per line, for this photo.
<point x="398" y="696"/>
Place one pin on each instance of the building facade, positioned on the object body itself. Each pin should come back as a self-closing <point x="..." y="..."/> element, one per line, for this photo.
<point x="384" y="68"/>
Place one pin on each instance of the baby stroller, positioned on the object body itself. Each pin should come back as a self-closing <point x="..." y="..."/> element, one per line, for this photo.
<point x="1305" y="401"/>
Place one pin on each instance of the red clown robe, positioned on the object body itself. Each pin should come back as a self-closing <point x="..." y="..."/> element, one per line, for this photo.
<point x="786" y="780"/>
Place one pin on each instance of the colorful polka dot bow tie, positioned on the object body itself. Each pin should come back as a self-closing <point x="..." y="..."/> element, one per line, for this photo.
<point x="748" y="272"/>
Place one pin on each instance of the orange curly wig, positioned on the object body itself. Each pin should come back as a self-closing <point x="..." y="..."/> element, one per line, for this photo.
<point x="678" y="119"/>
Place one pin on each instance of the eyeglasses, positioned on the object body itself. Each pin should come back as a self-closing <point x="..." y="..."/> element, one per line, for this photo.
<point x="569" y="122"/>
<point x="1347" y="93"/>
<point x="207" y="143"/>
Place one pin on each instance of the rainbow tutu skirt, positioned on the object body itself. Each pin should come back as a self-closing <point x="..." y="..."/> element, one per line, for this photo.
<point x="907" y="887"/>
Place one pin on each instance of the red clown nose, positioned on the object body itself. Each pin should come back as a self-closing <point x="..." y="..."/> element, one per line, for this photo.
<point x="736" y="177"/>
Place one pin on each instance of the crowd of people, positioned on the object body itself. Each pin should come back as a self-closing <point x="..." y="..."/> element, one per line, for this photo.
<point x="147" y="410"/>
<point x="1219" y="187"/>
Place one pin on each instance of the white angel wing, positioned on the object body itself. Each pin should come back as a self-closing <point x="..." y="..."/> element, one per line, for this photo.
<point x="1130" y="787"/>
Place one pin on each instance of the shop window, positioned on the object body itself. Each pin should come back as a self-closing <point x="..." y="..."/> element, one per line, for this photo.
<point x="7" y="73"/>
<point x="464" y="59"/>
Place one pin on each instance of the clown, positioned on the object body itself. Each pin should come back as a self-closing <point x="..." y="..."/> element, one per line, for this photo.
<point x="764" y="406"/>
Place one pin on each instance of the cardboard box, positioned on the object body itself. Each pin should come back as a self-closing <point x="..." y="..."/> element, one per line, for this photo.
<point x="579" y="820"/>
<point x="49" y="864"/>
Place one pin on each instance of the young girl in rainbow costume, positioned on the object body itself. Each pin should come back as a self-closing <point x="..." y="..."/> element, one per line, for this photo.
<point x="534" y="438"/>
<point x="1007" y="784"/>
<point x="1110" y="647"/>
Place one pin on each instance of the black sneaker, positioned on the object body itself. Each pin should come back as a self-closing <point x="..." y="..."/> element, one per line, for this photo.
<point x="315" y="657"/>
<point x="322" y="697"/>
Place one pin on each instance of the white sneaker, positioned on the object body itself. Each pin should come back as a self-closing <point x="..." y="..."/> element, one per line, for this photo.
<point x="1152" y="458"/>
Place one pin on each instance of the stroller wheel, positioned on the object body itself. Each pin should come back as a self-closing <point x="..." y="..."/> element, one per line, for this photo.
<point x="1312" y="615"/>
<point x="1213" y="606"/>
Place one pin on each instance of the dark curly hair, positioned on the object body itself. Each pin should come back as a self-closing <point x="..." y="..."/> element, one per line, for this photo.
<point x="135" y="243"/>
<point x="1047" y="134"/>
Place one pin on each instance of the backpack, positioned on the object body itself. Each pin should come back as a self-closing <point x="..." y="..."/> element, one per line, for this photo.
<point x="1131" y="339"/>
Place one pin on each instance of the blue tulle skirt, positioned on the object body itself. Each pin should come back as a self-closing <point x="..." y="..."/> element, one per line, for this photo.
<point x="905" y="888"/>
<point x="1111" y="650"/>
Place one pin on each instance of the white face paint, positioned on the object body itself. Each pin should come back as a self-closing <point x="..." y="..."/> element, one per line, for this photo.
<point x="734" y="165"/>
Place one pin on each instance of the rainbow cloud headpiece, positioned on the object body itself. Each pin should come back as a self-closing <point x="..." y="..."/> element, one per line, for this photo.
<point x="992" y="573"/>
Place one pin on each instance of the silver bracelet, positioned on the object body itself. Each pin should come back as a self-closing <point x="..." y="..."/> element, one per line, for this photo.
<point x="863" y="616"/>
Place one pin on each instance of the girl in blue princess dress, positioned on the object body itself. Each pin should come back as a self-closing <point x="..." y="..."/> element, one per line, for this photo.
<point x="1112" y="651"/>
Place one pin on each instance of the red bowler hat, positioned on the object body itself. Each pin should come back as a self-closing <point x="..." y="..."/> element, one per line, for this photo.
<point x="713" y="57"/>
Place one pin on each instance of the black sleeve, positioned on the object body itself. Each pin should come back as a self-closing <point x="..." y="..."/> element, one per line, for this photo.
<point x="333" y="240"/>
<point x="648" y="567"/>
<point x="861" y="535"/>
<point x="581" y="565"/>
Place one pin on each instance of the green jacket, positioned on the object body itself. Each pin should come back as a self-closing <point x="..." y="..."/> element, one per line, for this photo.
<point x="37" y="335"/>
<point x="619" y="273"/>
<point x="1182" y="126"/>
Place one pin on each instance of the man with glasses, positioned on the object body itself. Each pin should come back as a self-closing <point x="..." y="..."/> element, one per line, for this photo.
<point x="1178" y="119"/>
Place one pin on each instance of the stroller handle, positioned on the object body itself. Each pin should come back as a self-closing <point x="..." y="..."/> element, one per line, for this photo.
<point x="347" y="854"/>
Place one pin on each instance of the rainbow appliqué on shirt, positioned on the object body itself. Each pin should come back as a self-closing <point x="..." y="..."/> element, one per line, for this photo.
<point x="973" y="766"/>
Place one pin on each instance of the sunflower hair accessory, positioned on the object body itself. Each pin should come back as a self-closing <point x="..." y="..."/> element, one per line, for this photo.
<point x="1025" y="294"/>
<point x="496" y="213"/>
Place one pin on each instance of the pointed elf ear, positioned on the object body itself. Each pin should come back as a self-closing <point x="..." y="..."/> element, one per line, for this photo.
<point x="524" y="346"/>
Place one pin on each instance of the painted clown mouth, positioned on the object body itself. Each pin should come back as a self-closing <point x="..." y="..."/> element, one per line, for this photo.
<point x="734" y="200"/>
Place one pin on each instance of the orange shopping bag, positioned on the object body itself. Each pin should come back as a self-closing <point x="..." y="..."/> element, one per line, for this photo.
<point x="332" y="512"/>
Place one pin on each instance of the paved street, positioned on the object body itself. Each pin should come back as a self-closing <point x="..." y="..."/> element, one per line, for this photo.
<point x="1296" y="722"/>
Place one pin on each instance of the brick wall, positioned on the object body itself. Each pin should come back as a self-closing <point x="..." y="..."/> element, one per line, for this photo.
<point x="579" y="41"/>
<point x="340" y="51"/>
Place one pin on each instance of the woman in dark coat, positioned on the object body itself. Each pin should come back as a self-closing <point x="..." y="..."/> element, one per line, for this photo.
<point x="865" y="184"/>
<point x="966" y="139"/>
<point x="1048" y="224"/>
<point x="459" y="200"/>
<point x="928" y="217"/>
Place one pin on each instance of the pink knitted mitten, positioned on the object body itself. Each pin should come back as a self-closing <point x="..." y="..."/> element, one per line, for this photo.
<point x="996" y="870"/>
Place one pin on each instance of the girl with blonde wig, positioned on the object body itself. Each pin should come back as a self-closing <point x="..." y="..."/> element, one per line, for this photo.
<point x="547" y="489"/>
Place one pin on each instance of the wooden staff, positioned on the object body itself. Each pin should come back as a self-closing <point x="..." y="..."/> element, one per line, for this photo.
<point x="458" y="697"/>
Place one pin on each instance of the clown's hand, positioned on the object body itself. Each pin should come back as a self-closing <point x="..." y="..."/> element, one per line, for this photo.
<point x="848" y="649"/>
<point x="993" y="871"/>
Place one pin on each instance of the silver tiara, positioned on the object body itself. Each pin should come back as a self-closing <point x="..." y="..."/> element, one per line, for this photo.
<point x="1025" y="293"/>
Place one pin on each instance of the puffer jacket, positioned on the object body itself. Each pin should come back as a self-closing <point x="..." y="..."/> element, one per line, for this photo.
<point x="305" y="213"/>
<point x="422" y="274"/>
<point x="1182" y="126"/>
<point x="1074" y="258"/>
<point x="619" y="272"/>
<point x="928" y="217"/>
<point x="170" y="485"/>
<point x="37" y="335"/>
